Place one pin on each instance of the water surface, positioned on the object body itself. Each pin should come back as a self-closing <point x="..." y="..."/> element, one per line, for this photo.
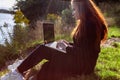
<point x="6" y="26"/>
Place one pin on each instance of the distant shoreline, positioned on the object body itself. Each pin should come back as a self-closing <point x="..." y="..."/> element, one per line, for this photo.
<point x="6" y="11"/>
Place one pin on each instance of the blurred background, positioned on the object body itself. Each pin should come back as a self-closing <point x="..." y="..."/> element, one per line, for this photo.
<point x="21" y="25"/>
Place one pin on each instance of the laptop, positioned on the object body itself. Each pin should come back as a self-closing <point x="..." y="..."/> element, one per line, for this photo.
<point x="49" y="37"/>
<point x="48" y="32"/>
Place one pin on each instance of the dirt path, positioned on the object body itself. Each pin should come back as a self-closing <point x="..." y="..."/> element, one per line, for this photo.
<point x="111" y="41"/>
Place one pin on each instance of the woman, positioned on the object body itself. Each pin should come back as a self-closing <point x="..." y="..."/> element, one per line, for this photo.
<point x="89" y="33"/>
<point x="81" y="56"/>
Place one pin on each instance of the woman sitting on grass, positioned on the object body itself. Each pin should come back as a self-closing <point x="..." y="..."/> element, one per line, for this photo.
<point x="80" y="56"/>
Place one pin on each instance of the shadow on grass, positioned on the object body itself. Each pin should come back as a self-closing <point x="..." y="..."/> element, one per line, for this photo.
<point x="110" y="78"/>
<point x="93" y="76"/>
<point x="84" y="77"/>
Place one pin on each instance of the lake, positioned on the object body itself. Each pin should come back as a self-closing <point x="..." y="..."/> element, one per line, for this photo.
<point x="6" y="26"/>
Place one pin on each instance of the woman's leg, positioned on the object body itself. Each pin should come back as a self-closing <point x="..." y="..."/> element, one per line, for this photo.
<point x="60" y="66"/>
<point x="41" y="52"/>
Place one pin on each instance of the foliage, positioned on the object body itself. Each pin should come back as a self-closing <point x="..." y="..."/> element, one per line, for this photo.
<point x="111" y="10"/>
<point x="117" y="20"/>
<point x="2" y="60"/>
<point x="35" y="9"/>
<point x="113" y="31"/>
<point x="63" y="23"/>
<point x="3" y="72"/>
<point x="62" y="36"/>
<point x="67" y="17"/>
<point x="20" y="18"/>
<point x="20" y="32"/>
<point x="52" y="17"/>
<point x="108" y="1"/>
<point x="108" y="63"/>
<point x="18" y="40"/>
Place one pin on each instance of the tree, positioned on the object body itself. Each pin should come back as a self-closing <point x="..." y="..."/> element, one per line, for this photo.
<point x="20" y="18"/>
<point x="38" y="9"/>
<point x="108" y="1"/>
<point x="67" y="17"/>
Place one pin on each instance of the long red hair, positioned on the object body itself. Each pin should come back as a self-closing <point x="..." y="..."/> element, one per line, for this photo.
<point x="88" y="7"/>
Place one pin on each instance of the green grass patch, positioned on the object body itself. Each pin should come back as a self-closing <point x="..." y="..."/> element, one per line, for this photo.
<point x="108" y="65"/>
<point x="113" y="31"/>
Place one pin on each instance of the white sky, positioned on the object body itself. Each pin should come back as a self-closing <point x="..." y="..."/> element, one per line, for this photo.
<point x="6" y="4"/>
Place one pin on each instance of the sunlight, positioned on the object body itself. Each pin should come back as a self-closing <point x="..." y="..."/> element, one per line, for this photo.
<point x="6" y="4"/>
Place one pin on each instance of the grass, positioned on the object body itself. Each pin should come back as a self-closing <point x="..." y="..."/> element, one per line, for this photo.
<point x="108" y="65"/>
<point x="113" y="31"/>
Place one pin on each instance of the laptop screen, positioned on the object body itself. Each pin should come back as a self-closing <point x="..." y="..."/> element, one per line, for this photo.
<point x="48" y="32"/>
